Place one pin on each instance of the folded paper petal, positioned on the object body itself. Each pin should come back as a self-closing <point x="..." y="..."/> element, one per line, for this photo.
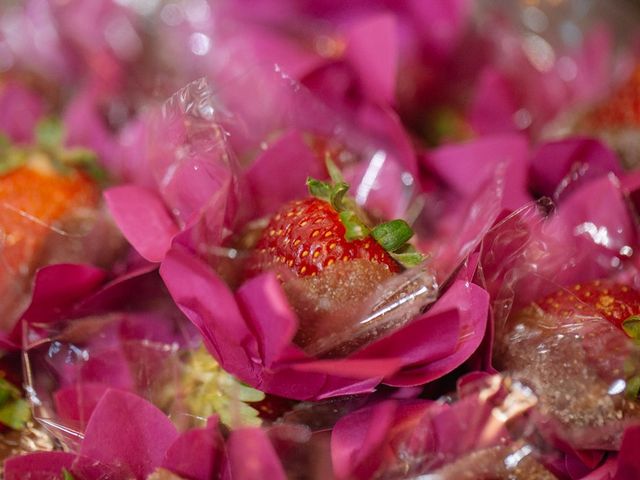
<point x="357" y="440"/>
<point x="143" y="219"/>
<point x="484" y="156"/>
<point x="265" y="177"/>
<point x="555" y="166"/>
<point x="472" y="304"/>
<point x="20" y="110"/>
<point x="38" y="466"/>
<point x="252" y="457"/>
<point x="197" y="454"/>
<point x="128" y="432"/>
<point x="372" y="50"/>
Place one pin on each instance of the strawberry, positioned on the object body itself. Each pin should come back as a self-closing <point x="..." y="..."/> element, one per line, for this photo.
<point x="34" y="198"/>
<point x="310" y="235"/>
<point x="328" y="258"/>
<point x="622" y="109"/>
<point x="617" y="120"/>
<point x="617" y="303"/>
<point x="40" y="187"/>
<point x="307" y="236"/>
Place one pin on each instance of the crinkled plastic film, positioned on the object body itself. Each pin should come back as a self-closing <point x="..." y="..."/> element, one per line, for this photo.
<point x="127" y="336"/>
<point x="581" y="366"/>
<point x="210" y="132"/>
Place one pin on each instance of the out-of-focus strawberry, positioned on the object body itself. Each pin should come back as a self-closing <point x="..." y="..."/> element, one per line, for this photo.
<point x="41" y="186"/>
<point x="617" y="303"/>
<point x="620" y="110"/>
<point x="617" y="121"/>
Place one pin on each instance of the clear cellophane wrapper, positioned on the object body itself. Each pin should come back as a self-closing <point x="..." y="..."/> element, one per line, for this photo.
<point x="244" y="143"/>
<point x="582" y="368"/>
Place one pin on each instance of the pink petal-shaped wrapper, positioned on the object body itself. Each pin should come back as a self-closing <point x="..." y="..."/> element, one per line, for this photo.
<point x="357" y="440"/>
<point x="260" y="297"/>
<point x="197" y="453"/>
<point x="76" y="403"/>
<point x="628" y="458"/>
<point x="59" y="287"/>
<point x="584" y="158"/>
<point x="143" y="219"/>
<point x="472" y="305"/>
<point x="38" y="466"/>
<point x="264" y="177"/>
<point x="372" y="50"/>
<point x="20" y="110"/>
<point x="483" y="156"/>
<point x="440" y="24"/>
<point x="128" y="432"/>
<point x="85" y="127"/>
<point x="250" y="335"/>
<point x="252" y="456"/>
<point x="209" y="304"/>
<point x="494" y="105"/>
<point x="427" y="339"/>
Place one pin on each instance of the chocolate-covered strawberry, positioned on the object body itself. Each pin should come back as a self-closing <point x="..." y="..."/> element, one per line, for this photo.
<point x="617" y="120"/>
<point x="617" y="303"/>
<point x="573" y="348"/>
<point x="49" y="195"/>
<point x="329" y="257"/>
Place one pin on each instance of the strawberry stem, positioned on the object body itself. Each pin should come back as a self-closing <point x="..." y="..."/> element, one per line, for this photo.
<point x="334" y="172"/>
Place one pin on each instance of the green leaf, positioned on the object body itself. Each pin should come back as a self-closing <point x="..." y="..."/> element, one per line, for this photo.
<point x="319" y="189"/>
<point x="15" y="414"/>
<point x="633" y="387"/>
<point x="408" y="256"/>
<point x="11" y="160"/>
<point x="8" y="390"/>
<point x="631" y="327"/>
<point x="355" y="229"/>
<point x="5" y="143"/>
<point x="50" y="133"/>
<point x="86" y="160"/>
<point x="66" y="475"/>
<point x="392" y="235"/>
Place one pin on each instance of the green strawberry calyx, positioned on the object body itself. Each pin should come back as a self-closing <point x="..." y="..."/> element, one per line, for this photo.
<point x="49" y="140"/>
<point x="393" y="235"/>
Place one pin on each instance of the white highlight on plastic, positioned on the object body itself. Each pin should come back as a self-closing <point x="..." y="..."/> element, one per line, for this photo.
<point x="617" y="387"/>
<point x="370" y="175"/>
<point x="539" y="52"/>
<point x="200" y="44"/>
<point x="512" y="461"/>
<point x="599" y="235"/>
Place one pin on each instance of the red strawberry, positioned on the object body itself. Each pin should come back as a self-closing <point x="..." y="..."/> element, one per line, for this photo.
<point x="617" y="303"/>
<point x="41" y="187"/>
<point x="622" y="109"/>
<point x="617" y="120"/>
<point x="307" y="236"/>
<point x="329" y="259"/>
